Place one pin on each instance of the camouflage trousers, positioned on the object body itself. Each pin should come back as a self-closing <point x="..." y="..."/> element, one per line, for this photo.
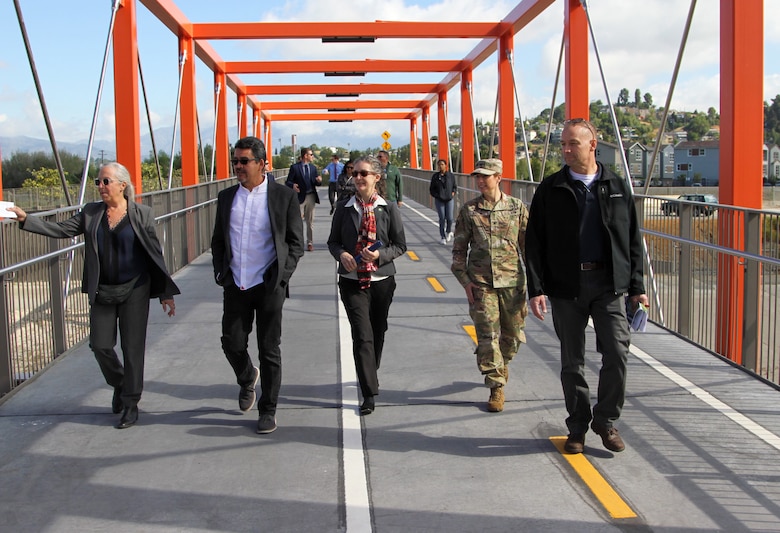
<point x="499" y="320"/>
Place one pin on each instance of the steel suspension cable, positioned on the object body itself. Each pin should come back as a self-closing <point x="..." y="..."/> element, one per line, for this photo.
<point x="474" y="124"/>
<point x="672" y="85"/>
<point x="149" y="120"/>
<point x="552" y="108"/>
<point x="493" y="126"/>
<point x="217" y="90"/>
<point x="200" y="145"/>
<point x="182" y="61"/>
<point x="651" y="273"/>
<point x="519" y="117"/>
<point x="42" y="101"/>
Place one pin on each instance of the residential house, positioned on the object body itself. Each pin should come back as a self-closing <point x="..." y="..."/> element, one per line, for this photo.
<point x="608" y="154"/>
<point x="772" y="163"/>
<point x="697" y="162"/>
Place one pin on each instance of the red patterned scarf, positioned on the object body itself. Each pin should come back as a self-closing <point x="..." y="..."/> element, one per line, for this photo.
<point x="366" y="237"/>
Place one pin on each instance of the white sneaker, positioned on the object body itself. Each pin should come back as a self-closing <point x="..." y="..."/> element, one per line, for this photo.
<point x="443" y="241"/>
<point x="450" y="235"/>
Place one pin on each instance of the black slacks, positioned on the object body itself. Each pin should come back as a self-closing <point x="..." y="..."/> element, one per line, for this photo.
<point x="367" y="311"/>
<point x="240" y="308"/>
<point x="133" y="317"/>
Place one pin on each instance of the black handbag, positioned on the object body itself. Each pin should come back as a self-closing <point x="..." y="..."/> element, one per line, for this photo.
<point x="115" y="294"/>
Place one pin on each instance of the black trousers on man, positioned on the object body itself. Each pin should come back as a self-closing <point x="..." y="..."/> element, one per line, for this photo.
<point x="240" y="309"/>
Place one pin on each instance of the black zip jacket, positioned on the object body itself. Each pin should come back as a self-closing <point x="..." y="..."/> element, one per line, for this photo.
<point x="552" y="243"/>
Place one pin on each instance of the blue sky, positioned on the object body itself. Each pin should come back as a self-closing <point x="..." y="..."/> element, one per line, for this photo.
<point x="638" y="42"/>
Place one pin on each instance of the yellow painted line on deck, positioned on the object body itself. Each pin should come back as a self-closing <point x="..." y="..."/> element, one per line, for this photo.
<point x="471" y="330"/>
<point x="612" y="502"/>
<point x="438" y="287"/>
<point x="412" y="255"/>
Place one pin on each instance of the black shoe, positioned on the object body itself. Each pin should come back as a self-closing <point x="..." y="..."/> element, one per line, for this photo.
<point x="368" y="406"/>
<point x="116" y="401"/>
<point x="129" y="418"/>
<point x="247" y="395"/>
<point x="575" y="443"/>
<point x="610" y="437"/>
<point x="266" y="424"/>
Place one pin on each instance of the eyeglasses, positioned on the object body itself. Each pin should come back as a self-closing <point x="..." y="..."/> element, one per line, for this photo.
<point x="243" y="160"/>
<point x="581" y="122"/>
<point x="363" y="172"/>
<point x="104" y="181"/>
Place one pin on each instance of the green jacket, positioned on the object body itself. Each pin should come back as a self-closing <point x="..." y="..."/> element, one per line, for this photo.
<point x="394" y="184"/>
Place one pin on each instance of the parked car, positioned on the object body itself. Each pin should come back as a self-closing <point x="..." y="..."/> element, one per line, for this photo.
<point x="672" y="207"/>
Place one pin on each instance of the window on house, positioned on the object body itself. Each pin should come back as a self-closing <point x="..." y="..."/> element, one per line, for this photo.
<point x="684" y="167"/>
<point x="638" y="155"/>
<point x="696" y="152"/>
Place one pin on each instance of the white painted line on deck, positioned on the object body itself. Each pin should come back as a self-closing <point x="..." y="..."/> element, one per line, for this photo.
<point x="423" y="215"/>
<point x="756" y="429"/>
<point x="356" y="500"/>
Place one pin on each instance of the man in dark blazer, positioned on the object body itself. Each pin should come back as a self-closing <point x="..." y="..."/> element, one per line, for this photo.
<point x="304" y="178"/>
<point x="256" y="245"/>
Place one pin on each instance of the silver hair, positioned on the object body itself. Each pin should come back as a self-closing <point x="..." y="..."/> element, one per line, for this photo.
<point x="122" y="175"/>
<point x="376" y="166"/>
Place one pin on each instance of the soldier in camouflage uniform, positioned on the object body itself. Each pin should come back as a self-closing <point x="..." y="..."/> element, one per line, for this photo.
<point x="486" y="259"/>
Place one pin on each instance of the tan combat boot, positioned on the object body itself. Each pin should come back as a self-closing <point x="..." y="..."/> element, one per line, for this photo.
<point x="496" y="401"/>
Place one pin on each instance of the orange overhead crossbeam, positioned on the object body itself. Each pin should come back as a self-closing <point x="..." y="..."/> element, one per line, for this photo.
<point x="351" y="88"/>
<point x="339" y="116"/>
<point x="341" y="67"/>
<point x="354" y="104"/>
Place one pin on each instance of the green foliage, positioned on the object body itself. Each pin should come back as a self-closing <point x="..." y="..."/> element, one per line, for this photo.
<point x="44" y="178"/>
<point x="19" y="167"/>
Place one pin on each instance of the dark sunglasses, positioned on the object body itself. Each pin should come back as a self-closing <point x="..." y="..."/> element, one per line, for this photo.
<point x="104" y="181"/>
<point x="243" y="160"/>
<point x="363" y="173"/>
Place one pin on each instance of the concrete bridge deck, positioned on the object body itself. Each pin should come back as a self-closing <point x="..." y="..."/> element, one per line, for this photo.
<point x="703" y="444"/>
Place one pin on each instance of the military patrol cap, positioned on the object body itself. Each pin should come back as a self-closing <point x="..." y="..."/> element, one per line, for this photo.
<point x="488" y="167"/>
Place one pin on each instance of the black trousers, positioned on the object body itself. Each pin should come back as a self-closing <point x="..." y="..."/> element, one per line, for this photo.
<point x="597" y="300"/>
<point x="132" y="317"/>
<point x="367" y="311"/>
<point x="332" y="192"/>
<point x="240" y="309"/>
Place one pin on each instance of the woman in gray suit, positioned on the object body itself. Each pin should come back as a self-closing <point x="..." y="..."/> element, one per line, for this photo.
<point x="123" y="269"/>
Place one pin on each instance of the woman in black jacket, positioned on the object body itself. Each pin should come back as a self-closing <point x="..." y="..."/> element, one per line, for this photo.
<point x="365" y="236"/>
<point x="443" y="189"/>
<point x="123" y="269"/>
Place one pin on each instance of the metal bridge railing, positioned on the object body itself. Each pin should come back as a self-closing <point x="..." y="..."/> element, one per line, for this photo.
<point x="682" y="275"/>
<point x="45" y="311"/>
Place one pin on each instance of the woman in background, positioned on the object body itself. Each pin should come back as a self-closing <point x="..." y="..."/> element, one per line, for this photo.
<point x="443" y="189"/>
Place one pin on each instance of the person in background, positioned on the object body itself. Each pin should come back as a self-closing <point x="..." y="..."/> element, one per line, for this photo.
<point x="346" y="186"/>
<point x="392" y="184"/>
<point x="333" y="170"/>
<point x="584" y="250"/>
<point x="487" y="261"/>
<point x="256" y="245"/>
<point x="304" y="178"/>
<point x="367" y="277"/>
<point x="444" y="189"/>
<point x="123" y="270"/>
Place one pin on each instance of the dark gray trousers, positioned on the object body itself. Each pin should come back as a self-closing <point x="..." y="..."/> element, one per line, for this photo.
<point x="598" y="301"/>
<point x="132" y="317"/>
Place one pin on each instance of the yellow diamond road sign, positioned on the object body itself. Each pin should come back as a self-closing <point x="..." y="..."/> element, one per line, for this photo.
<point x="385" y="135"/>
<point x="386" y="145"/>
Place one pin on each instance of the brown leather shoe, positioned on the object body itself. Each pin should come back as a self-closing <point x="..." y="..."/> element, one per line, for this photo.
<point x="310" y="247"/>
<point x="610" y="437"/>
<point x="575" y="443"/>
<point x="496" y="401"/>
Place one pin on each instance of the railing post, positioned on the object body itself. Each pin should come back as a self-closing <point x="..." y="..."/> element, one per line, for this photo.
<point x="5" y="331"/>
<point x="685" y="275"/>
<point x="751" y="333"/>
<point x="56" y="287"/>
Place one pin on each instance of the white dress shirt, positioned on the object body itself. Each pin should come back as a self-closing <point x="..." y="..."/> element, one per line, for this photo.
<point x="251" y="236"/>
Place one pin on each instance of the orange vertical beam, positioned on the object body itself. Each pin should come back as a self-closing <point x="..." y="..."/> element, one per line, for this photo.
<point x="256" y="122"/>
<point x="467" y="123"/>
<point x="414" y="161"/>
<point x="268" y="146"/>
<point x="443" y="142"/>
<point x="741" y="139"/>
<point x="575" y="30"/>
<point x="222" y="144"/>
<point x="241" y="115"/>
<point x="506" y="107"/>
<point x="189" y="114"/>
<point x="426" y="138"/>
<point x="127" y="121"/>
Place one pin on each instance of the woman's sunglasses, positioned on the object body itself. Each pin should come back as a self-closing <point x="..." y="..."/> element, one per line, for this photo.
<point x="104" y="181"/>
<point x="363" y="173"/>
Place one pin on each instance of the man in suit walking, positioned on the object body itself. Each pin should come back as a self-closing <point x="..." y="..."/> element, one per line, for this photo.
<point x="304" y="178"/>
<point x="256" y="245"/>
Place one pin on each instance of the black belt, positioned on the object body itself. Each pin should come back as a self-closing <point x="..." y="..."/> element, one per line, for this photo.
<point x="591" y="266"/>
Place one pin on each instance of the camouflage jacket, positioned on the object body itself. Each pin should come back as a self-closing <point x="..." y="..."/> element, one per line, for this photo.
<point x="489" y="241"/>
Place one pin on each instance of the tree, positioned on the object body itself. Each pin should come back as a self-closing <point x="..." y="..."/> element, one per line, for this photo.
<point x="623" y="97"/>
<point x="637" y="98"/>
<point x="648" y="100"/>
<point x="697" y="127"/>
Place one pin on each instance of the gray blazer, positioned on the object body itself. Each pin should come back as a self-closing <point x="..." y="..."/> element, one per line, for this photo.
<point x="286" y="225"/>
<point x="87" y="221"/>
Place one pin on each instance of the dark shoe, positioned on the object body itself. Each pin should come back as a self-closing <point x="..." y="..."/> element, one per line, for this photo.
<point x="116" y="401"/>
<point x="496" y="402"/>
<point x="610" y="437"/>
<point x="310" y="247"/>
<point x="332" y="209"/>
<point x="129" y="418"/>
<point x="247" y="396"/>
<point x="575" y="443"/>
<point x="368" y="406"/>
<point x="266" y="424"/>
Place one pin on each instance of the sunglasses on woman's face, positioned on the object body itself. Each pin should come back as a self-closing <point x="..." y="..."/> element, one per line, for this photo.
<point x="104" y="181"/>
<point x="363" y="172"/>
